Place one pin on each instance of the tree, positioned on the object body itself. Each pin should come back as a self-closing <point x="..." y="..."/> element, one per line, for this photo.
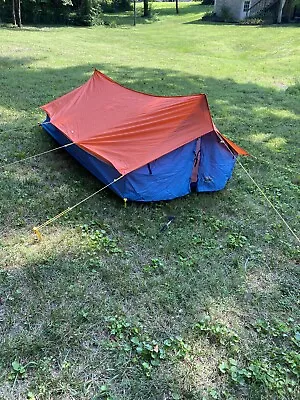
<point x="280" y="8"/>
<point x="286" y="9"/>
<point x="289" y="9"/>
<point x="146" y="8"/>
<point x="19" y="19"/>
<point x="134" y="12"/>
<point x="14" y="13"/>
<point x="177" y="8"/>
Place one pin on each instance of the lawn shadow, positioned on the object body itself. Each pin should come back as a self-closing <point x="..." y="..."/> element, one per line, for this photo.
<point x="57" y="293"/>
<point x="126" y="19"/>
<point x="260" y="119"/>
<point x="37" y="28"/>
<point x="257" y="25"/>
<point x="236" y="107"/>
<point x="197" y="7"/>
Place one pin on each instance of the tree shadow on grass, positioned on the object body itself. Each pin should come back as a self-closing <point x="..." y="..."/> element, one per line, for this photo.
<point x="240" y="110"/>
<point x="263" y="120"/>
<point x="28" y="88"/>
<point x="191" y="9"/>
<point x="125" y="20"/>
<point x="35" y="28"/>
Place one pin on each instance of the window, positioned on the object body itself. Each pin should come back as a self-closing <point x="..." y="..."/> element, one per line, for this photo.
<point x="246" y="5"/>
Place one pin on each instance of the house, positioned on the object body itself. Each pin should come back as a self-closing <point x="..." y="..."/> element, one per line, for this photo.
<point x="238" y="10"/>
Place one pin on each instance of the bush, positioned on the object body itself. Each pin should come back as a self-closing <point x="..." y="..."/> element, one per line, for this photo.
<point x="208" y="2"/>
<point x="90" y="13"/>
<point x="251" y="21"/>
<point x="111" y="6"/>
<point x="209" y="16"/>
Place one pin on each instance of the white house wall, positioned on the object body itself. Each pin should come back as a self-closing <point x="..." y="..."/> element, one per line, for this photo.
<point x="236" y="7"/>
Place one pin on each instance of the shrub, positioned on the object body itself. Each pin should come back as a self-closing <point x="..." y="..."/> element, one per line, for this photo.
<point x="90" y="13"/>
<point x="251" y="21"/>
<point x="209" y="16"/>
<point x="111" y="6"/>
<point x="208" y="2"/>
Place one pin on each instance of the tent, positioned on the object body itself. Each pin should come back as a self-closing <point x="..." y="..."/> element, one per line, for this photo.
<point x="163" y="147"/>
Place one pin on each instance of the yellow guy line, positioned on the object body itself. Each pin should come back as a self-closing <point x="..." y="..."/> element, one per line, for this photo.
<point x="270" y="203"/>
<point x="260" y="190"/>
<point x="37" y="229"/>
<point x="36" y="155"/>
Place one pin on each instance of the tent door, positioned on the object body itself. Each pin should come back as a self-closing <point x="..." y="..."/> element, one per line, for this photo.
<point x="194" y="177"/>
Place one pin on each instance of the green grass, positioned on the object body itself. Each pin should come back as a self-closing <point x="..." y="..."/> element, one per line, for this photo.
<point x="226" y="255"/>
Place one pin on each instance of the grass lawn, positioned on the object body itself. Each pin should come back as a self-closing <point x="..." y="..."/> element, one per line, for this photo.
<point x="106" y="306"/>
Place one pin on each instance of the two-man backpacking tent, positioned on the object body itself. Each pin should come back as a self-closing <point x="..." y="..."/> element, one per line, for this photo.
<point x="162" y="146"/>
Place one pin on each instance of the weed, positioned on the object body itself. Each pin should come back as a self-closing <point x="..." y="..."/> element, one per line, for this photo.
<point x="145" y="351"/>
<point x="236" y="240"/>
<point x="97" y="240"/>
<point x="104" y="393"/>
<point x="217" y="332"/>
<point x="237" y="375"/>
<point x="277" y="370"/>
<point x="120" y="328"/>
<point x="153" y="266"/>
<point x="276" y="329"/>
<point x="214" y="224"/>
<point x="19" y="371"/>
<point x="273" y="378"/>
<point x="187" y="262"/>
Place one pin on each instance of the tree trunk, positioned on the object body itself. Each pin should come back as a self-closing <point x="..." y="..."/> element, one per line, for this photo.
<point x="134" y="12"/>
<point x="177" y="9"/>
<point x="19" y="20"/>
<point x="14" y="13"/>
<point x="289" y="10"/>
<point x="280" y="8"/>
<point x="146" y="8"/>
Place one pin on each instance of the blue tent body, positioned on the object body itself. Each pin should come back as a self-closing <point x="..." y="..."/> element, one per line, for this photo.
<point x="167" y="177"/>
<point x="156" y="147"/>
